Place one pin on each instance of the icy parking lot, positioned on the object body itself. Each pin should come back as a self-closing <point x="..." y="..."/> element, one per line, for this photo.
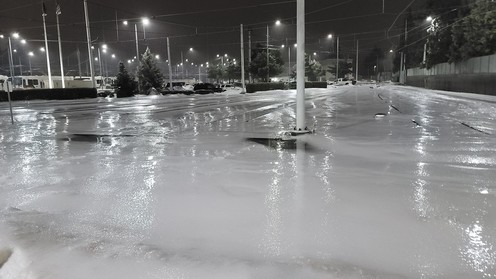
<point x="186" y="187"/>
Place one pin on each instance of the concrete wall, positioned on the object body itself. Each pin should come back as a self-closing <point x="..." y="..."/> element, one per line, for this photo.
<point x="476" y="75"/>
<point x="471" y="83"/>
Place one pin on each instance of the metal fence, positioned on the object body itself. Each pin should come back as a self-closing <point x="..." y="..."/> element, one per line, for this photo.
<point x="477" y="65"/>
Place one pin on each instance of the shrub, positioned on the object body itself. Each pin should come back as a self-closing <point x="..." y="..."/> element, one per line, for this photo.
<point x="266" y="86"/>
<point x="49" y="94"/>
<point x="310" y="84"/>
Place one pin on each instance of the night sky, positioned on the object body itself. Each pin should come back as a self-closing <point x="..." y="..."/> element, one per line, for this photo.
<point x="210" y="27"/>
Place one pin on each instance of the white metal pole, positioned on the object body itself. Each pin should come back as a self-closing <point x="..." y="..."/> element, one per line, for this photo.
<point x="30" y="68"/>
<point x="289" y="60"/>
<point x="243" y="89"/>
<point x="100" y="63"/>
<point x="170" y="63"/>
<point x="11" y="86"/>
<point x="249" y="55"/>
<point x="268" y="68"/>
<point x="401" y="68"/>
<point x="117" y="25"/>
<point x="88" y="36"/>
<point x="337" y="58"/>
<point x="137" y="45"/>
<point x="79" y="61"/>
<point x="182" y="64"/>
<point x="300" y="64"/>
<point x="356" y="77"/>
<point x="50" y="81"/>
<point x="60" y="49"/>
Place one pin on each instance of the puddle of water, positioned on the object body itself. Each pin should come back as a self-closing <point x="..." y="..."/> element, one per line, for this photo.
<point x="92" y="138"/>
<point x="279" y="144"/>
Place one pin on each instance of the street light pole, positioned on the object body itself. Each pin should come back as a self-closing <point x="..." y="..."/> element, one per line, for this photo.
<point x="182" y="64"/>
<point x="30" y="54"/>
<point x="88" y="36"/>
<point x="337" y="58"/>
<point x="50" y="81"/>
<point x="289" y="60"/>
<point x="136" y="38"/>
<point x="268" y="68"/>
<point x="100" y="62"/>
<point x="356" y="77"/>
<point x="249" y="55"/>
<point x="170" y="63"/>
<point x="57" y="13"/>
<point x="300" y="64"/>
<point x="243" y="90"/>
<point x="11" y="65"/>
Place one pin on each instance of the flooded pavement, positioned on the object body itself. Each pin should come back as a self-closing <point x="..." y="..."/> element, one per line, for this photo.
<point x="396" y="182"/>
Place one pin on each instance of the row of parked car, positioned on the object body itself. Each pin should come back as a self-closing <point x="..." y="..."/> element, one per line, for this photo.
<point x="199" y="88"/>
<point x="179" y="88"/>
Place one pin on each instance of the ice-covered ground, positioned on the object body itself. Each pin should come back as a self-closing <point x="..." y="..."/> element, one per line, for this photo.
<point x="171" y="187"/>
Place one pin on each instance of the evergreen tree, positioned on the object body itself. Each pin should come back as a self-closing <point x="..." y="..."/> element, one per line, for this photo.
<point x="345" y="68"/>
<point x="233" y="71"/>
<point x="125" y="84"/>
<point x="258" y="66"/>
<point x="313" y="69"/>
<point x="149" y="74"/>
<point x="216" y="72"/>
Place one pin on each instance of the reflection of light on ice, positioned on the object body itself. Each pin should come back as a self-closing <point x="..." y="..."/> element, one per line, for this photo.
<point x="478" y="253"/>
<point x="272" y="239"/>
<point x="421" y="194"/>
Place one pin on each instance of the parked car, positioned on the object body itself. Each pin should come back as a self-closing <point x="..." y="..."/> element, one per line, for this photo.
<point x="178" y="88"/>
<point x="218" y="88"/>
<point x="231" y="87"/>
<point x="105" y="91"/>
<point x="204" y="88"/>
<point x="344" y="81"/>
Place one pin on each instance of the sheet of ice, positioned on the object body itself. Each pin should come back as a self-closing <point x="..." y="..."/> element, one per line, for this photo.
<point x="170" y="187"/>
